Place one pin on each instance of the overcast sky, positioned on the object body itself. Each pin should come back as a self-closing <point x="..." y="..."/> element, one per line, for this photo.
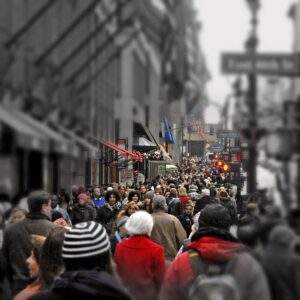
<point x="226" y="27"/>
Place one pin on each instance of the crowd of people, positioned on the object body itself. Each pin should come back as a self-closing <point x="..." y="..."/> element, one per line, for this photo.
<point x="188" y="234"/>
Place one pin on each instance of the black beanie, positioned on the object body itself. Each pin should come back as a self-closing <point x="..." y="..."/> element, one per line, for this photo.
<point x="215" y="215"/>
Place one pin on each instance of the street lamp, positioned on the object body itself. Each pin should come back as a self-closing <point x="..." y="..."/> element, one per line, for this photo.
<point x="251" y="47"/>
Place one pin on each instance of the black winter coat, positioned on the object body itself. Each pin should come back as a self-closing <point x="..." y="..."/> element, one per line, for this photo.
<point x="282" y="268"/>
<point x="83" y="285"/>
<point x="201" y="203"/>
<point x="82" y="214"/>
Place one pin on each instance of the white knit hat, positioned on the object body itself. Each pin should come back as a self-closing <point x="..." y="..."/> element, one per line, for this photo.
<point x="85" y="240"/>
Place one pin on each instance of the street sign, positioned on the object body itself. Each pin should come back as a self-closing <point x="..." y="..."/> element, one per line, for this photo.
<point x="217" y="147"/>
<point x="227" y="134"/>
<point x="266" y="64"/>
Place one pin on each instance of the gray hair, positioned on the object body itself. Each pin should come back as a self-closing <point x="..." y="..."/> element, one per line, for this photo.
<point x="139" y="223"/>
<point x="159" y="202"/>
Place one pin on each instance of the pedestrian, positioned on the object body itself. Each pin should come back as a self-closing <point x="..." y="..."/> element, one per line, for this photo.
<point x="186" y="219"/>
<point x="109" y="211"/>
<point x="17" y="214"/>
<point x="17" y="237"/>
<point x="214" y="245"/>
<point x="135" y="196"/>
<point x="175" y="206"/>
<point x="97" y="198"/>
<point x="140" y="261"/>
<point x="282" y="264"/>
<point x="203" y="201"/>
<point x="56" y="208"/>
<point x="33" y="262"/>
<point x="82" y="211"/>
<point x="120" y="233"/>
<point x="167" y="230"/>
<point x="147" y="204"/>
<point x="183" y="195"/>
<point x="88" y="267"/>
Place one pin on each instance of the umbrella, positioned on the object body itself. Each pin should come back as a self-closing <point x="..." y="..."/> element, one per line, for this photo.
<point x="171" y="168"/>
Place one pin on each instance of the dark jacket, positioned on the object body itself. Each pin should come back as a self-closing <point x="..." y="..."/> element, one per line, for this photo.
<point x="107" y="213"/>
<point x="201" y="203"/>
<point x="283" y="272"/>
<point x="17" y="246"/>
<point x="231" y="206"/>
<point x="215" y="247"/>
<point x="82" y="213"/>
<point x="83" y="285"/>
<point x="174" y="206"/>
<point x="187" y="222"/>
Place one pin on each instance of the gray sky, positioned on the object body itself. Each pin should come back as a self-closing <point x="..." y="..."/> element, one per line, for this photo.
<point x="226" y="26"/>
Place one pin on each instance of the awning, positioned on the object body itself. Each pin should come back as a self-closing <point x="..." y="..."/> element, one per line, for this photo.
<point x="118" y="149"/>
<point x="93" y="151"/>
<point x="59" y="143"/>
<point x="142" y="142"/>
<point x="166" y="155"/>
<point x="26" y="136"/>
<point x="141" y="131"/>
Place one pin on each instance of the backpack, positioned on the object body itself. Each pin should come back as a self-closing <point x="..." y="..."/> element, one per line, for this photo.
<point x="212" y="281"/>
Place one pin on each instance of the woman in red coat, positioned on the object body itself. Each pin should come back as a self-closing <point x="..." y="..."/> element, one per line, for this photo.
<point x="140" y="262"/>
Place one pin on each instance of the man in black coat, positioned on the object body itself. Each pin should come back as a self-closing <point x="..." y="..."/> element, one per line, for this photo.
<point x="17" y="238"/>
<point x="186" y="219"/>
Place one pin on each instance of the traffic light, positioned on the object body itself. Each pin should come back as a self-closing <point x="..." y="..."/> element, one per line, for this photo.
<point x="226" y="167"/>
<point x="219" y="164"/>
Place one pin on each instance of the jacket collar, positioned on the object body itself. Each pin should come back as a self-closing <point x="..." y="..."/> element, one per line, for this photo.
<point x="37" y="216"/>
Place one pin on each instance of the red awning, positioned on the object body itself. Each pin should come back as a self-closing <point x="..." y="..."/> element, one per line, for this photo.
<point x="118" y="149"/>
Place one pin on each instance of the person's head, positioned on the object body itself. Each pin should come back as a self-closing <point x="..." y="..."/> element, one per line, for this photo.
<point x="205" y="192"/>
<point x="158" y="190"/>
<point x="188" y="208"/>
<point x="134" y="196"/>
<point x="252" y="209"/>
<point x="131" y="208"/>
<point x="97" y="192"/>
<point x="215" y="216"/>
<point x="140" y="223"/>
<point x="33" y="261"/>
<point x="143" y="189"/>
<point x="54" y="201"/>
<point x="86" y="246"/>
<point x="173" y="192"/>
<point x="149" y="197"/>
<point x="17" y="215"/>
<point x="121" y="222"/>
<point x="283" y="236"/>
<point x="39" y="202"/>
<point x="56" y="215"/>
<point x="248" y="234"/>
<point x="112" y="197"/>
<point x="159" y="203"/>
<point x="51" y="262"/>
<point x="182" y="191"/>
<point x="122" y="190"/>
<point x="83" y="199"/>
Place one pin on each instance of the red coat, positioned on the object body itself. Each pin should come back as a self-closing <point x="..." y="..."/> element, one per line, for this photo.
<point x="248" y="274"/>
<point x="184" y="199"/>
<point x="141" y="266"/>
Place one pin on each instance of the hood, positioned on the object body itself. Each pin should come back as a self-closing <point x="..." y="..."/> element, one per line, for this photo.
<point x="215" y="245"/>
<point x="92" y="283"/>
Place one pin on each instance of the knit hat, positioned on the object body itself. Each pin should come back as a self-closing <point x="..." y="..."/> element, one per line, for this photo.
<point x="150" y="195"/>
<point x="122" y="221"/>
<point x="85" y="240"/>
<point x="215" y="215"/>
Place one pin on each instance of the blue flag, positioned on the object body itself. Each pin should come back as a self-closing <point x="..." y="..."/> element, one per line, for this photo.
<point x="168" y="135"/>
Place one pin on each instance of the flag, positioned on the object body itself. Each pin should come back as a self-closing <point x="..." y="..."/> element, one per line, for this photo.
<point x="168" y="135"/>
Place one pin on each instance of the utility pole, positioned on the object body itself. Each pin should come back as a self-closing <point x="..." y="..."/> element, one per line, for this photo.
<point x="251" y="47"/>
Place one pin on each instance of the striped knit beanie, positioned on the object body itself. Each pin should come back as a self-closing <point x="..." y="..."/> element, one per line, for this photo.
<point x="85" y="240"/>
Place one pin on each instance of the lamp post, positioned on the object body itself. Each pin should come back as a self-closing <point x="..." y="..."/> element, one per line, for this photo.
<point x="251" y="48"/>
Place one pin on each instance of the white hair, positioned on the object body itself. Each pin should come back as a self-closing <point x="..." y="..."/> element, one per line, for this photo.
<point x="138" y="223"/>
<point x="205" y="192"/>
